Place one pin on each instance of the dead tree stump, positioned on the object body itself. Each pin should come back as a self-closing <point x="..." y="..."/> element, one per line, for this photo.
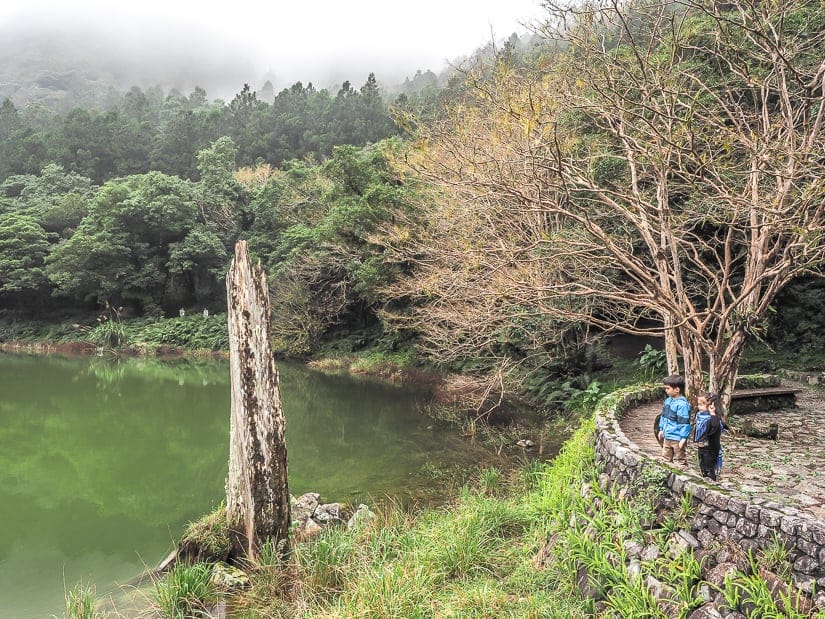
<point x="257" y="495"/>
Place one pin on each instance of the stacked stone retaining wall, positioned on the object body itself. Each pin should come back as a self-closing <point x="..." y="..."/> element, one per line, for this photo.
<point x="720" y="516"/>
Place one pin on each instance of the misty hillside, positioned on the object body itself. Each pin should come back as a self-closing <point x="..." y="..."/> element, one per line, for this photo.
<point x="89" y="69"/>
<point x="63" y="66"/>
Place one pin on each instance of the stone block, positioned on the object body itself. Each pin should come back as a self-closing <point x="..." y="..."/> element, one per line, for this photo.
<point x="804" y="582"/>
<point x="706" y="611"/>
<point x="717" y="499"/>
<point x="699" y="492"/>
<point x="736" y="506"/>
<point x="770" y="518"/>
<point x="808" y="548"/>
<point x="705" y="538"/>
<point x="746" y="527"/>
<point x="806" y="565"/>
<point x="789" y="524"/>
<point x="689" y="538"/>
<point x="677" y="485"/>
<point x="720" y="516"/>
<point x="818" y="533"/>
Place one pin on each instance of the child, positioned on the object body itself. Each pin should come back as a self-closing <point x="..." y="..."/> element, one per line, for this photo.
<point x="715" y="408"/>
<point x="706" y="433"/>
<point x="674" y="425"/>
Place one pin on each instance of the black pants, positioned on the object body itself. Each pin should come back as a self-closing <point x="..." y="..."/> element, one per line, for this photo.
<point x="707" y="461"/>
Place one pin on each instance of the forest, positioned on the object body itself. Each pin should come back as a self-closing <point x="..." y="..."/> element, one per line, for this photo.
<point x="550" y="191"/>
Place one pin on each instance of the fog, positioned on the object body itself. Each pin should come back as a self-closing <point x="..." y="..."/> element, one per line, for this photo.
<point x="222" y="46"/>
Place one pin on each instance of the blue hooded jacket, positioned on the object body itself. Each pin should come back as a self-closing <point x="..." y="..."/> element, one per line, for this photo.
<point x="675" y="421"/>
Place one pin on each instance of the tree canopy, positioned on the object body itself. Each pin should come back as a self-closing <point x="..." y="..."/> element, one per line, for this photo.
<point x="659" y="172"/>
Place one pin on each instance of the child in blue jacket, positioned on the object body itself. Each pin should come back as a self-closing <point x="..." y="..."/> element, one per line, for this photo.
<point x="674" y="424"/>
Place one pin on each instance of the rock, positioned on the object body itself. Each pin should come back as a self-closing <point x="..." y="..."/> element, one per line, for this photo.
<point x="587" y="588"/>
<point x="716" y="576"/>
<point x="228" y="578"/>
<point x="780" y="591"/>
<point x="659" y="590"/>
<point x="677" y="545"/>
<point x="706" y="611"/>
<point x="311" y="529"/>
<point x="650" y="553"/>
<point x="632" y="548"/>
<point x="805" y="565"/>
<point x="770" y="433"/>
<point x="526" y="443"/>
<point x="634" y="569"/>
<point x="819" y="601"/>
<point x="362" y="517"/>
<point x="304" y="506"/>
<point x="688" y="537"/>
<point x="328" y="513"/>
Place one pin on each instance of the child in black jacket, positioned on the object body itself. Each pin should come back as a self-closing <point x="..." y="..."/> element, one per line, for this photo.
<point x="707" y="433"/>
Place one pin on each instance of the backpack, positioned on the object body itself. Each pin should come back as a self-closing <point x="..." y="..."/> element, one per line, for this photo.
<point x="700" y="429"/>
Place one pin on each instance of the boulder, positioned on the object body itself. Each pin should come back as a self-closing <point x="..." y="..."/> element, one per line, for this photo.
<point x="304" y="506"/>
<point x="328" y="513"/>
<point x="706" y="611"/>
<point x="362" y="517"/>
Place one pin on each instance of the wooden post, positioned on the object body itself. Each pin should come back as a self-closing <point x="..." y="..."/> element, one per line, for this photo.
<point x="257" y="495"/>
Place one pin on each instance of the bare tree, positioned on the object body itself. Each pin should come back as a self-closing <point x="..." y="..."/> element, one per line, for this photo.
<point x="257" y="493"/>
<point x="660" y="173"/>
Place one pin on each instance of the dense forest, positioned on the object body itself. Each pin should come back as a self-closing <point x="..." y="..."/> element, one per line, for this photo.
<point x="440" y="216"/>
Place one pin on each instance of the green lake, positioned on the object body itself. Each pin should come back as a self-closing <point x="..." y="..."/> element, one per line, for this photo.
<point x="103" y="462"/>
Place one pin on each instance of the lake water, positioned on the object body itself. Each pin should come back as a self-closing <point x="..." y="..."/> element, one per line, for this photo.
<point x="103" y="462"/>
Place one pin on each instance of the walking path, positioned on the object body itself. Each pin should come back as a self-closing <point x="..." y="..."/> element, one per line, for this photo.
<point x="788" y="471"/>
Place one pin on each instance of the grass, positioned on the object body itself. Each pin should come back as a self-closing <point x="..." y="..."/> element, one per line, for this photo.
<point x="751" y="593"/>
<point x="81" y="603"/>
<point x="191" y="332"/>
<point x="185" y="591"/>
<point x="547" y="541"/>
<point x="208" y="537"/>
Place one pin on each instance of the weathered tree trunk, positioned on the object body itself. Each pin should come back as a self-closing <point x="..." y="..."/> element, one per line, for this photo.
<point x="257" y="495"/>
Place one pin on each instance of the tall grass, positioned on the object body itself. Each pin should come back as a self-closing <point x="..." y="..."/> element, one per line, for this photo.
<point x="185" y="591"/>
<point x="81" y="603"/>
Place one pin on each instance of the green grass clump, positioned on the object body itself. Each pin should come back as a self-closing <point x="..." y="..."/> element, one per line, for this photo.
<point x="185" y="591"/>
<point x="81" y="603"/>
<point x="207" y="539"/>
<point x="190" y="332"/>
<point x="751" y="593"/>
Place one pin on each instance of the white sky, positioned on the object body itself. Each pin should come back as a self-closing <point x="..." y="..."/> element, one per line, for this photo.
<point x="299" y="39"/>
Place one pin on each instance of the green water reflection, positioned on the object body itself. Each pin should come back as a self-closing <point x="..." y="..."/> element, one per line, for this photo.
<point x="103" y="462"/>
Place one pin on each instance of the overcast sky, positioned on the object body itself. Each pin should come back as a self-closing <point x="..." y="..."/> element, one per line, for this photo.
<point x="310" y="40"/>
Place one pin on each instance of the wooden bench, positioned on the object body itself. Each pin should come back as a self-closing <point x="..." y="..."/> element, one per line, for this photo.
<point x="763" y="399"/>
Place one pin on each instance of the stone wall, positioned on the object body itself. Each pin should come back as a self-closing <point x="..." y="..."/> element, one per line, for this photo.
<point x="720" y="517"/>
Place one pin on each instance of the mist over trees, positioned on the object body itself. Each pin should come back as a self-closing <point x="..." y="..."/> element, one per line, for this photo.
<point x="147" y="130"/>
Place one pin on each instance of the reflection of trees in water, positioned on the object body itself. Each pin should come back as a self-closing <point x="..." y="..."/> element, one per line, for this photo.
<point x="142" y="443"/>
<point x="146" y="451"/>
<point x="181" y="371"/>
